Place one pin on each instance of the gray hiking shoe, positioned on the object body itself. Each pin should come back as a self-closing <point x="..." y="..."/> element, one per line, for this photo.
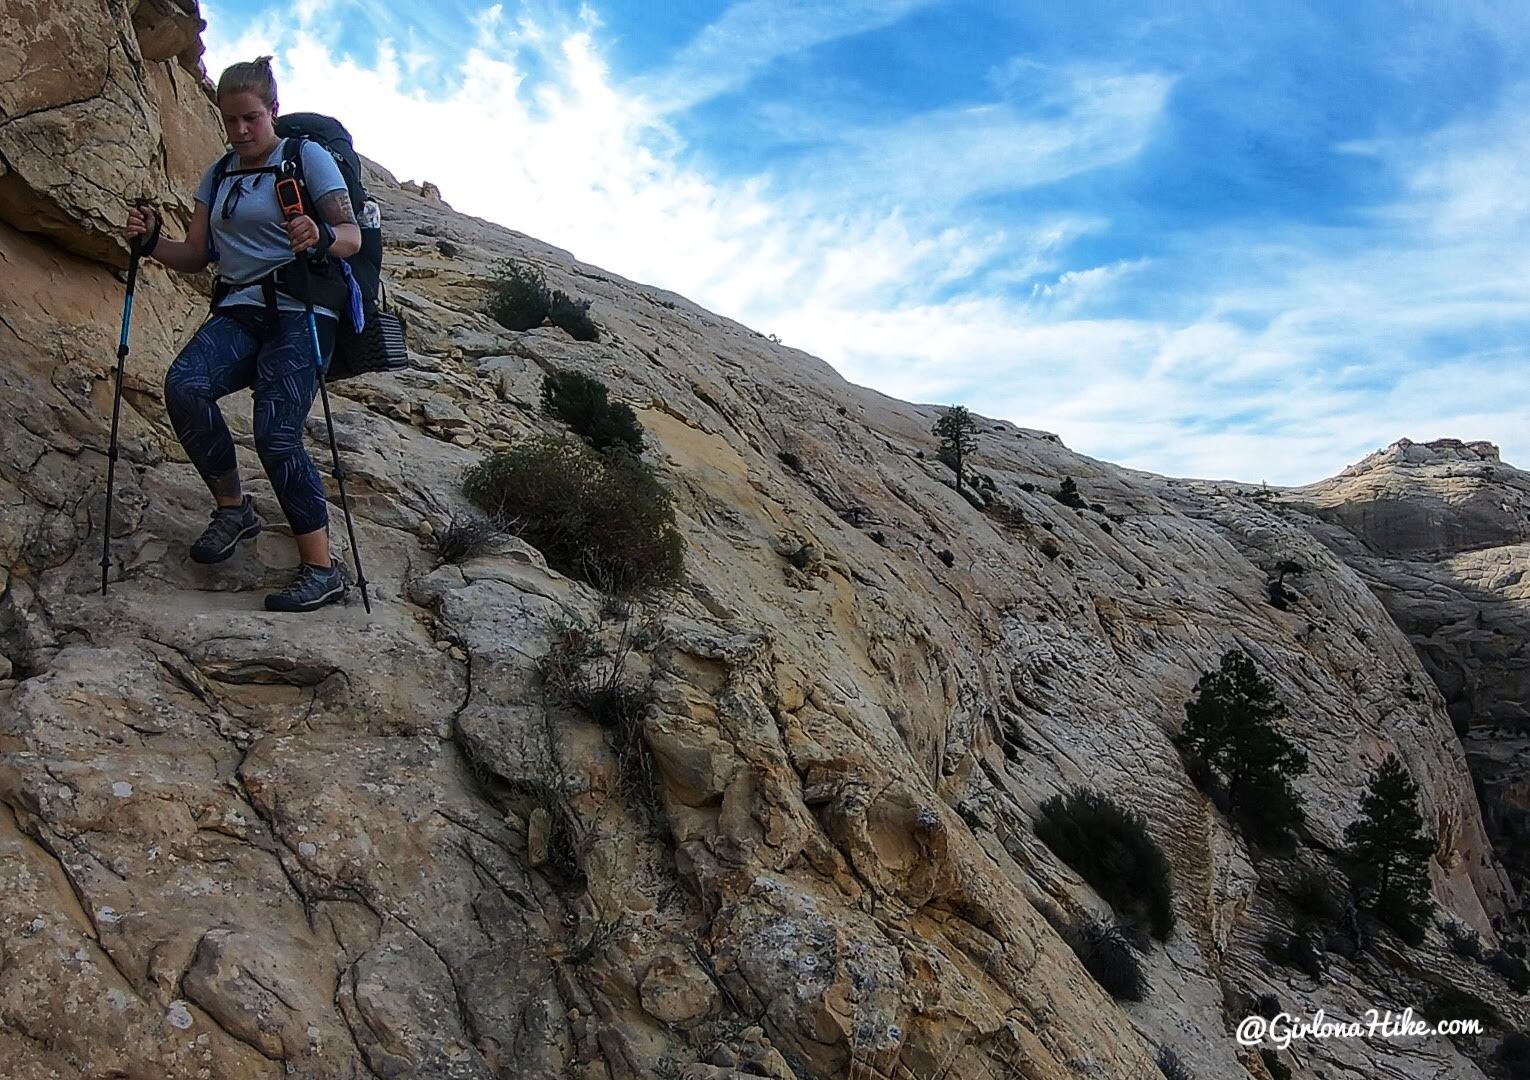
<point x="230" y="524"/>
<point x="313" y="587"/>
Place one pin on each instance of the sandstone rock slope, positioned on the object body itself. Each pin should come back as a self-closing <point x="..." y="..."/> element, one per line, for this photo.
<point x="1441" y="533"/>
<point x="234" y="844"/>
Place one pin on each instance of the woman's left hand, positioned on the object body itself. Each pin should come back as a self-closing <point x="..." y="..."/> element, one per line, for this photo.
<point x="302" y="233"/>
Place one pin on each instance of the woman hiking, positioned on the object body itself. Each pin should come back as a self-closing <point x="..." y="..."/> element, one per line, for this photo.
<point x="257" y="334"/>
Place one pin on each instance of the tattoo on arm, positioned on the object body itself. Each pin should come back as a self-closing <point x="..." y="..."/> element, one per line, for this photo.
<point x="335" y="209"/>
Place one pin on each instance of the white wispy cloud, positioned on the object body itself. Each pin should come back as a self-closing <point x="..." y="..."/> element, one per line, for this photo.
<point x="752" y="34"/>
<point x="1292" y="352"/>
<point x="955" y="154"/>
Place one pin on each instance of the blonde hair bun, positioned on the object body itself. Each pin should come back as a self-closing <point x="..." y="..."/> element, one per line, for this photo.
<point x="249" y="77"/>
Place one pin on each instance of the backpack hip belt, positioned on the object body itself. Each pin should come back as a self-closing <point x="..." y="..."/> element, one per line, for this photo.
<point x="327" y="288"/>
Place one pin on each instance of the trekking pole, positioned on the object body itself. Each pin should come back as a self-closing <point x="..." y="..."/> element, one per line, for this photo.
<point x="135" y="250"/>
<point x="292" y="204"/>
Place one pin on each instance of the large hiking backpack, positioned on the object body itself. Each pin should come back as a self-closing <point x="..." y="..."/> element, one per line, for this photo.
<point x="379" y="345"/>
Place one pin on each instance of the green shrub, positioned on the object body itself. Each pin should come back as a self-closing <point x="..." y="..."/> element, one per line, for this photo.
<point x="1514" y="1056"/>
<point x="1067" y="493"/>
<point x="604" y="518"/>
<point x="1452" y="1004"/>
<point x="583" y="403"/>
<point x="616" y="702"/>
<point x="1314" y="896"/>
<point x="1111" y="849"/>
<point x="519" y="300"/>
<point x="805" y="557"/>
<point x="1108" y="956"/>
<point x="573" y="316"/>
<point x="545" y="788"/>
<point x="1295" y="951"/>
<point x="1512" y="968"/>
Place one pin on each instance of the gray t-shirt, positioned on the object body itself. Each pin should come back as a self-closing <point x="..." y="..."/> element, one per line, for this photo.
<point x="247" y="228"/>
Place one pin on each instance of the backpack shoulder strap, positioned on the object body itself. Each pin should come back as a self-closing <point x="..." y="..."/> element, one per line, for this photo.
<point x="225" y="169"/>
<point x="292" y="165"/>
<point x="292" y="159"/>
<point x="220" y="170"/>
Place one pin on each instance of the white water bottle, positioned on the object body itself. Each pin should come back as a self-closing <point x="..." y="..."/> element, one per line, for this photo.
<point x="371" y="215"/>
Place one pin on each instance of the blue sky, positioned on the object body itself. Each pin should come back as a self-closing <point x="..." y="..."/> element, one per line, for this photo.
<point x="1229" y="240"/>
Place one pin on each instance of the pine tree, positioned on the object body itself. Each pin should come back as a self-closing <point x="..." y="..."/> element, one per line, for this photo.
<point x="956" y="429"/>
<point x="1230" y="729"/>
<point x="1391" y="851"/>
<point x="1067" y="493"/>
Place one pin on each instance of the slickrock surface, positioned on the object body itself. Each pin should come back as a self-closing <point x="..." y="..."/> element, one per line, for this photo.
<point x="239" y="844"/>
<point x="1441" y="533"/>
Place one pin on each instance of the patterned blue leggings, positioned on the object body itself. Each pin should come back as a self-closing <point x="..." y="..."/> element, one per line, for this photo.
<point x="230" y="353"/>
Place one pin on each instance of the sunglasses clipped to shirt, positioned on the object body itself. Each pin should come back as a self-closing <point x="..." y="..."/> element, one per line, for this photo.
<point x="235" y="193"/>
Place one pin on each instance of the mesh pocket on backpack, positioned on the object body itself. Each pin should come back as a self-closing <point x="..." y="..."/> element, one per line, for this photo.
<point x="379" y="347"/>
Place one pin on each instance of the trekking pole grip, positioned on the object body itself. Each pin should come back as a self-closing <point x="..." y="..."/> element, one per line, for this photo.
<point x="135" y="250"/>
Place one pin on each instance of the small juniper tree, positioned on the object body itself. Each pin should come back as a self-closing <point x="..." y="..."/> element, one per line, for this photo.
<point x="956" y="429"/>
<point x="1067" y="493"/>
<point x="1280" y="596"/>
<point x="1391" y="851"/>
<point x="572" y="316"/>
<point x="1230" y="729"/>
<point x="583" y="402"/>
<point x="518" y="297"/>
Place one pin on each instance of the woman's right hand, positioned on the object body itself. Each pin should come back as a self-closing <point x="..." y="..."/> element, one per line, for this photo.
<point x="140" y="222"/>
